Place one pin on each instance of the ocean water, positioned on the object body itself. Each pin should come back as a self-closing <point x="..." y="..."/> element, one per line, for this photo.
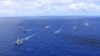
<point x="78" y="36"/>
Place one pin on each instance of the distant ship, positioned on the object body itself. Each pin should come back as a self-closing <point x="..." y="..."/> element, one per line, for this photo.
<point x="75" y="27"/>
<point x="57" y="32"/>
<point x="19" y="41"/>
<point x="86" y="24"/>
<point x="46" y="27"/>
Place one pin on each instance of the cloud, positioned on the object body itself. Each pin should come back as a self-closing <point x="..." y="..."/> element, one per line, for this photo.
<point x="48" y="6"/>
<point x="80" y="6"/>
<point x="7" y="11"/>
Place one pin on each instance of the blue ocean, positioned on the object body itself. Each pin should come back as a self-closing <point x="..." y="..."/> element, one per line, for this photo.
<point x="50" y="36"/>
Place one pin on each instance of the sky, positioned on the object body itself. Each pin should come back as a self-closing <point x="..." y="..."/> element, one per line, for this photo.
<point x="49" y="7"/>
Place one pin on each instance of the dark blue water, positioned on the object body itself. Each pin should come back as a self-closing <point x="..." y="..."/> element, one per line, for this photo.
<point x="82" y="41"/>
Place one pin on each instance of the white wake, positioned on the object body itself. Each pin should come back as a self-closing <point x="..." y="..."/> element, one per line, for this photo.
<point x="31" y="36"/>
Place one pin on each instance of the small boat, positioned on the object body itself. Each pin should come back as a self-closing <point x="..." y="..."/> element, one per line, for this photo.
<point x="46" y="27"/>
<point x="57" y="32"/>
<point x="86" y="24"/>
<point x="74" y="27"/>
<point x="19" y="41"/>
